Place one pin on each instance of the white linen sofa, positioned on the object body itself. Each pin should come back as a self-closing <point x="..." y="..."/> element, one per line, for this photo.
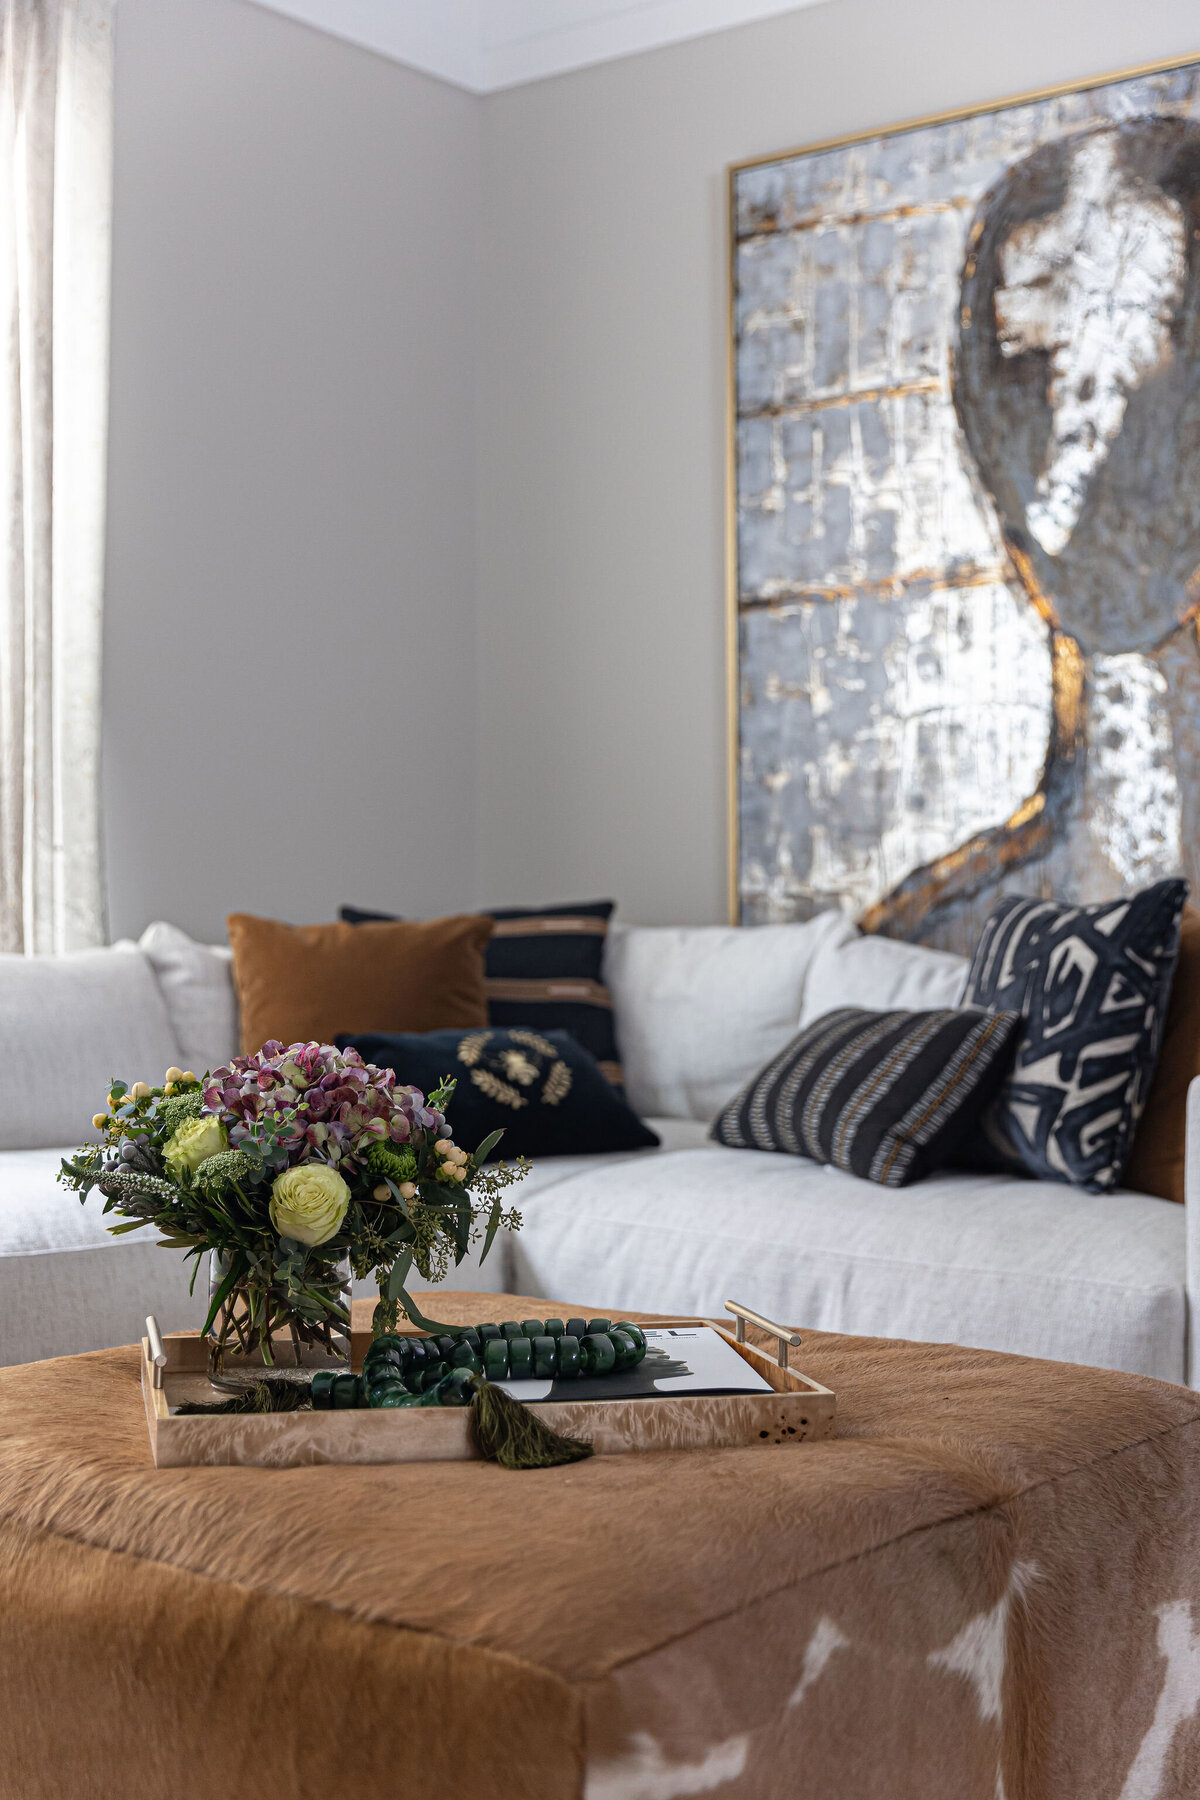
<point x="1027" y="1266"/>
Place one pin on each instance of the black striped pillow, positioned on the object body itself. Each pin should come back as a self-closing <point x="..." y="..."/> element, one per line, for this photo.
<point x="884" y="1095"/>
<point x="542" y="970"/>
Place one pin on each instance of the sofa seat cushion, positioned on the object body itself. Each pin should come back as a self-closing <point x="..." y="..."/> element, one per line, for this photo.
<point x="66" y="1284"/>
<point x="982" y="1260"/>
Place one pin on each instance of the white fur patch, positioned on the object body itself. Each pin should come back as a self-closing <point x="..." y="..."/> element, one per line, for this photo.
<point x="646" y="1774"/>
<point x="979" y="1651"/>
<point x="1178" y="1699"/>
<point x="821" y="1646"/>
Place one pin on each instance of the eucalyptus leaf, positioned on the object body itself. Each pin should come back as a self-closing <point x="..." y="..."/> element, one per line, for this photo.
<point x="488" y="1145"/>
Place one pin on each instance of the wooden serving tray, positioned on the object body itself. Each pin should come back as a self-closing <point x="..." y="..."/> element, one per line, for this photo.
<point x="798" y="1411"/>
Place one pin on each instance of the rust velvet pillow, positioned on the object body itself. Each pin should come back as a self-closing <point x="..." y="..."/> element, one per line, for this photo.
<point x="1155" y="1163"/>
<point x="300" y="982"/>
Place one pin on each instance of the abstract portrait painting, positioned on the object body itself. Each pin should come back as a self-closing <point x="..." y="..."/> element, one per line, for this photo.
<point x="966" y="420"/>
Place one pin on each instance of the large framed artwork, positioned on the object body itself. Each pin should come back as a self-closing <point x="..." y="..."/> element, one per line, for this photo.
<point x="965" y="534"/>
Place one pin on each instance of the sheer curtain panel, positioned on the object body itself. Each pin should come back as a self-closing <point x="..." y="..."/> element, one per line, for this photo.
<point x="56" y="63"/>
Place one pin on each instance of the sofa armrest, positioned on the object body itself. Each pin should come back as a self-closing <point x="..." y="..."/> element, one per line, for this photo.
<point x="1192" y="1196"/>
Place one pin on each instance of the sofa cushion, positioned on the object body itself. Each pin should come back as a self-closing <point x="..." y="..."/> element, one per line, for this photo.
<point x="885" y="1095"/>
<point x="984" y="1260"/>
<point x="1156" y="1162"/>
<point x="541" y="1089"/>
<point x="299" y="983"/>
<point x="880" y="974"/>
<point x="1092" y="985"/>
<point x="197" y="985"/>
<point x="71" y="1024"/>
<point x="698" y="1010"/>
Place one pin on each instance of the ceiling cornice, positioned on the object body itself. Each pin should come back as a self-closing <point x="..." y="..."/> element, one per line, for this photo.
<point x="483" y="45"/>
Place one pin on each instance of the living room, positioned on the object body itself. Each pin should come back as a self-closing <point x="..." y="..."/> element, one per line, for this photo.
<point x="599" y="708"/>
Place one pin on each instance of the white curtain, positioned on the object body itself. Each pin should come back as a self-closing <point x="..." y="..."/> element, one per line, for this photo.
<point x="55" y="232"/>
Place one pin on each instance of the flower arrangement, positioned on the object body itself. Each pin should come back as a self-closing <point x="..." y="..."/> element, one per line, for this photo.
<point x="284" y="1165"/>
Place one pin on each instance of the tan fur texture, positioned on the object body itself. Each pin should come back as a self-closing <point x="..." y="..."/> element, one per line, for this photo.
<point x="987" y="1587"/>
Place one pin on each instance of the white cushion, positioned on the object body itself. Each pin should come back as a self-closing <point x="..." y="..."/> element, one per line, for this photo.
<point x="880" y="975"/>
<point x="989" y="1261"/>
<point x="66" y="1284"/>
<point x="197" y="985"/>
<point x="68" y="1025"/>
<point x="698" y="1011"/>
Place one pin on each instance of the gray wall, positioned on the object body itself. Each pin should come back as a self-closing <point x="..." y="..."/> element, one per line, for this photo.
<point x="602" y="446"/>
<point x="290" y="624"/>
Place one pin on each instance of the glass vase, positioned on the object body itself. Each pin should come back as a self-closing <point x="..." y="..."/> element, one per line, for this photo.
<point x="259" y="1329"/>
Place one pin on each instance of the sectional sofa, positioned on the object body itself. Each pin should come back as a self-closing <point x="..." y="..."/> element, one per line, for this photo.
<point x="991" y="1261"/>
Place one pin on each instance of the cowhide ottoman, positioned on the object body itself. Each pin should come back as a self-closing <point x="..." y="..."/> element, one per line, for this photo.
<point x="987" y="1585"/>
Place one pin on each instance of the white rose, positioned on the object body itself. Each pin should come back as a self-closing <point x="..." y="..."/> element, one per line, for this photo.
<point x="193" y="1143"/>
<point x="308" y="1203"/>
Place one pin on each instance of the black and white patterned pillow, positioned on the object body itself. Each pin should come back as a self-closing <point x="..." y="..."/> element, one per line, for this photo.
<point x="884" y="1095"/>
<point x="1092" y="985"/>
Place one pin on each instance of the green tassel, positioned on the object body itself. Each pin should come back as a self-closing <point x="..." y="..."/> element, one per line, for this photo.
<point x="512" y="1434"/>
<point x="264" y="1397"/>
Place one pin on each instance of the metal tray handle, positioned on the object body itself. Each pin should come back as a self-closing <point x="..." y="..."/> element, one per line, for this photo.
<point x="785" y="1339"/>
<point x="158" y="1354"/>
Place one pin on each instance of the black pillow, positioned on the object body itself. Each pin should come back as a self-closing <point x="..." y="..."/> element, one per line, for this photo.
<point x="541" y="1086"/>
<point x="543" y="969"/>
<point x="1092" y="985"/>
<point x="883" y="1095"/>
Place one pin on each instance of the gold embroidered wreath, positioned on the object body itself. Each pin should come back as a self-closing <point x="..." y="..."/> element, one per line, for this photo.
<point x="510" y="1072"/>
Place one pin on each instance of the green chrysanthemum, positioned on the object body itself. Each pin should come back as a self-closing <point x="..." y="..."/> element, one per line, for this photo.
<point x="395" y="1165"/>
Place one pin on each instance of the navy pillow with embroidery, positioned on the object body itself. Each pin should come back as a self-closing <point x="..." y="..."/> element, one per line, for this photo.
<point x="545" y="1090"/>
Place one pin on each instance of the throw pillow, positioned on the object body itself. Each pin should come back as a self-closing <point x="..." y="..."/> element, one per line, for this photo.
<point x="197" y="985"/>
<point x="542" y="1087"/>
<point x="1156" y="1161"/>
<point x="297" y="983"/>
<point x="700" y="1008"/>
<point x="543" y="972"/>
<point x="883" y="1095"/>
<point x="71" y="1024"/>
<point x="1091" y="984"/>
<point x="881" y="974"/>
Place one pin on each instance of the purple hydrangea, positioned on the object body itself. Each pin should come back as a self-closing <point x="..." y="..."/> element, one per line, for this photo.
<point x="312" y="1102"/>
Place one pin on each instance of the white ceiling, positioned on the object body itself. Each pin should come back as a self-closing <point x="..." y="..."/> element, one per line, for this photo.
<point x="488" y="44"/>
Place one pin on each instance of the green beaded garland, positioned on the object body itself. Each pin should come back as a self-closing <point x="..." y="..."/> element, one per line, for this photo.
<point x="597" y="1353"/>
<point x="321" y="1389"/>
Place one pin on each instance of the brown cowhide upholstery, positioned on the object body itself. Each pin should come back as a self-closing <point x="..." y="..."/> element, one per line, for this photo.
<point x="986" y="1588"/>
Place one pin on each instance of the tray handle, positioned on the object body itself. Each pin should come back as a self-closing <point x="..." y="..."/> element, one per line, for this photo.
<point x="785" y="1339"/>
<point x="158" y="1354"/>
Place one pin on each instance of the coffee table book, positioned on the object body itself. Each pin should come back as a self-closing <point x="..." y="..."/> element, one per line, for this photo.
<point x="797" y="1410"/>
